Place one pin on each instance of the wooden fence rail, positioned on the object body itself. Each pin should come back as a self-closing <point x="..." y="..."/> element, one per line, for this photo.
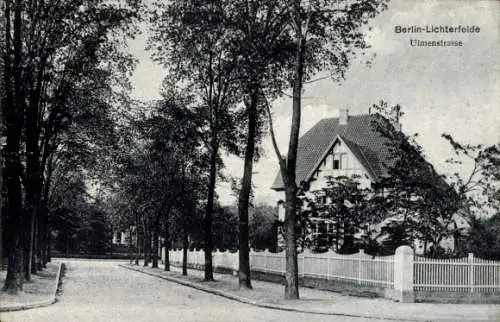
<point x="467" y="274"/>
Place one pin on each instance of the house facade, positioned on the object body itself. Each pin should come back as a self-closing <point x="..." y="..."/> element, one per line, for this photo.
<point x="348" y="145"/>
<point x="345" y="146"/>
<point x="121" y="238"/>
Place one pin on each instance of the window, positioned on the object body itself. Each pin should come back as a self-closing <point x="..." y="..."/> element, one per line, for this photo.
<point x="330" y="228"/>
<point x="281" y="211"/>
<point x="343" y="161"/>
<point x="336" y="162"/>
<point x="322" y="227"/>
<point x="340" y="161"/>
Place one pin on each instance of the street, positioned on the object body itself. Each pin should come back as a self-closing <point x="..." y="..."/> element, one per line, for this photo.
<point x="102" y="291"/>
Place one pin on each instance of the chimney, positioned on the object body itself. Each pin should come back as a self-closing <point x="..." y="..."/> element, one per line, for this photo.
<point x="397" y="126"/>
<point x="397" y="115"/>
<point x="343" y="116"/>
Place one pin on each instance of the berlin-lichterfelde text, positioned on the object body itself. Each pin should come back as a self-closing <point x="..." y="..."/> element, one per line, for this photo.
<point x="436" y="29"/>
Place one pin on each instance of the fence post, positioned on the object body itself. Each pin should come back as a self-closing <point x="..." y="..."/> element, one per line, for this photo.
<point x="250" y="258"/>
<point x="235" y="262"/>
<point x="215" y="259"/>
<point x="328" y="266"/>
<point x="303" y="264"/>
<point x="360" y="254"/>
<point x="265" y="260"/>
<point x="403" y="275"/>
<point x="470" y="260"/>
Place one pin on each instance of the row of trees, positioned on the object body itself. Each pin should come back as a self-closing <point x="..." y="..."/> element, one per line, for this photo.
<point x="62" y="75"/>
<point x="162" y="179"/>
<point x="235" y="57"/>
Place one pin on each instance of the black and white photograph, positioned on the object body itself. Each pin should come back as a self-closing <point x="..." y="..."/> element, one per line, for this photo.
<point x="249" y="160"/>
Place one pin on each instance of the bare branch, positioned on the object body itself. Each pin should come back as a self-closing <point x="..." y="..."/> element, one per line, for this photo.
<point x="273" y="136"/>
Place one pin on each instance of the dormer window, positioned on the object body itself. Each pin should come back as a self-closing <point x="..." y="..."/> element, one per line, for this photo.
<point x="336" y="163"/>
<point x="339" y="161"/>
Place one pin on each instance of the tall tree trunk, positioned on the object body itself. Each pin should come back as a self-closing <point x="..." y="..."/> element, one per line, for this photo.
<point x="130" y="241"/>
<point x="156" y="236"/>
<point x="244" y="279"/>
<point x="33" y="175"/>
<point x="44" y="212"/>
<point x="137" y="248"/>
<point x="33" y="178"/>
<point x="289" y="177"/>
<point x="34" y="256"/>
<point x="49" y="242"/>
<point x="14" y="109"/>
<point x="185" y="244"/>
<point x="27" y="244"/>
<point x="137" y="240"/>
<point x="147" y="247"/>
<point x="166" y="236"/>
<point x="291" y="274"/>
<point x="209" y="274"/>
<point x="42" y="227"/>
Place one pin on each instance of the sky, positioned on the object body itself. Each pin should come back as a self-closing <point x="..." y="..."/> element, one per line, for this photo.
<point x="453" y="90"/>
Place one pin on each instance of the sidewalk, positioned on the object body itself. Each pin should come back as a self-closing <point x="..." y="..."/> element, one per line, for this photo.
<point x="41" y="291"/>
<point x="270" y="295"/>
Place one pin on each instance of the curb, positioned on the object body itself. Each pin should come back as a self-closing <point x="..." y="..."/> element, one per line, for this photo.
<point x="261" y="304"/>
<point x="51" y="300"/>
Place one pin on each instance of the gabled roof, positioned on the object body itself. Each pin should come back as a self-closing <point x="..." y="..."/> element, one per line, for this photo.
<point x="360" y="136"/>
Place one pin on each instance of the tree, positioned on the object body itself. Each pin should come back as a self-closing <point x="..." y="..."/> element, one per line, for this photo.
<point x="342" y="202"/>
<point x="483" y="238"/>
<point x="176" y="143"/>
<point x="478" y="192"/>
<point x="262" y="50"/>
<point x="423" y="203"/>
<point x="187" y="39"/>
<point x="188" y="213"/>
<point x="262" y="227"/>
<point x="480" y="188"/>
<point x="78" y="220"/>
<point x="326" y="35"/>
<point x="49" y="50"/>
<point x="13" y="126"/>
<point x="162" y="173"/>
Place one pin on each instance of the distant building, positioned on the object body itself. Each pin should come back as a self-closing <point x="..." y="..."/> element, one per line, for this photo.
<point x="122" y="238"/>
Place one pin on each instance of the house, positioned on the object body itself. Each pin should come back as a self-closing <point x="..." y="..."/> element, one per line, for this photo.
<point x="343" y="146"/>
<point x="122" y="238"/>
<point x="348" y="145"/>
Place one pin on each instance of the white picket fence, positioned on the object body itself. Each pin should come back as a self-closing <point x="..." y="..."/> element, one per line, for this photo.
<point x="467" y="274"/>
<point x="357" y="268"/>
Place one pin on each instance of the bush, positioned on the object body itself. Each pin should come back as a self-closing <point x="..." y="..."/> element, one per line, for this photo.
<point x="484" y="238"/>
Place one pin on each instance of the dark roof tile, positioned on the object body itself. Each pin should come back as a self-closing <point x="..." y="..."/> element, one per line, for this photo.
<point x="365" y="142"/>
